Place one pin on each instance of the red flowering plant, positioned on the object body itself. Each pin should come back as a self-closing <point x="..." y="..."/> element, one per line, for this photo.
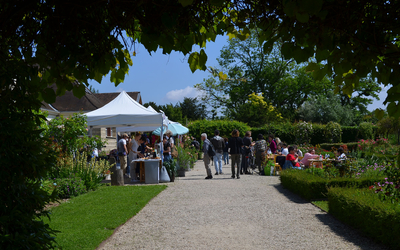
<point x="390" y="189"/>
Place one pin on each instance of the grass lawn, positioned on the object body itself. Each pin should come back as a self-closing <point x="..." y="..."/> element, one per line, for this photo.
<point x="321" y="204"/>
<point x="87" y="220"/>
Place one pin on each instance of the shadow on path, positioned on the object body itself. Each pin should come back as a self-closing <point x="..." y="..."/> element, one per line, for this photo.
<point x="339" y="228"/>
<point x="349" y="233"/>
<point x="291" y="196"/>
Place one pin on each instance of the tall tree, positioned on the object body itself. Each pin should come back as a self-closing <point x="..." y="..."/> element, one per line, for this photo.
<point x="192" y="109"/>
<point x="283" y="83"/>
<point x="326" y="108"/>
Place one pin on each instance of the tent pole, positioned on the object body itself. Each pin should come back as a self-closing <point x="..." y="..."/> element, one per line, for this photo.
<point x="162" y="143"/>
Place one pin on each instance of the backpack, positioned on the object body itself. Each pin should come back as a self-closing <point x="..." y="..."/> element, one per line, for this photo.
<point x="218" y="144"/>
<point x="210" y="151"/>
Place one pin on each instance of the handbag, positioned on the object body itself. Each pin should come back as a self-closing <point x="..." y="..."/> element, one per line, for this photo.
<point x="174" y="152"/>
<point x="164" y="177"/>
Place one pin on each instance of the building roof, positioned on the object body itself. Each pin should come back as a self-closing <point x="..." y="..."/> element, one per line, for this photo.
<point x="89" y="102"/>
<point x="108" y="97"/>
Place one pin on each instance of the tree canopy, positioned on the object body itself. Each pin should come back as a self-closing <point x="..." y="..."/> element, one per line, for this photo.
<point x="283" y="83"/>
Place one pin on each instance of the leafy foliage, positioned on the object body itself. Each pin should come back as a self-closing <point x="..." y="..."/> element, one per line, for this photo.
<point x="366" y="130"/>
<point x="70" y="133"/>
<point x="69" y="187"/>
<point x="25" y="160"/>
<point x="92" y="172"/>
<point x="324" y="108"/>
<point x="257" y="112"/>
<point x="363" y="210"/>
<point x="225" y="127"/>
<point x="333" y="132"/>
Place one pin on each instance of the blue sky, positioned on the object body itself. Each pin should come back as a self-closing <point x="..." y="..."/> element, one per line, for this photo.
<point x="167" y="79"/>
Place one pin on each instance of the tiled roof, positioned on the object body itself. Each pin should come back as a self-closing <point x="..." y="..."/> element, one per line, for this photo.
<point x="90" y="101"/>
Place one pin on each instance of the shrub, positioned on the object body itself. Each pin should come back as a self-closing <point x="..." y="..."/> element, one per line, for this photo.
<point x="92" y="172"/>
<point x="318" y="134"/>
<point x="69" y="187"/>
<point x="314" y="187"/>
<point x="351" y="146"/>
<point x="364" y="210"/>
<point x="225" y="127"/>
<point x="304" y="132"/>
<point x="349" y="133"/>
<point x="25" y="160"/>
<point x="366" y="130"/>
<point x="308" y="186"/>
<point x="333" y="132"/>
<point x="285" y="131"/>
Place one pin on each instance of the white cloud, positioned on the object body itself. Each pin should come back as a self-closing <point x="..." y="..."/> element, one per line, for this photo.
<point x="177" y="95"/>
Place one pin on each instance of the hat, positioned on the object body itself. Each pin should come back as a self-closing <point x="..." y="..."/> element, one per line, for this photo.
<point x="124" y="135"/>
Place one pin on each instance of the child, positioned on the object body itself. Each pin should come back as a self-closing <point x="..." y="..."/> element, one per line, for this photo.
<point x="292" y="158"/>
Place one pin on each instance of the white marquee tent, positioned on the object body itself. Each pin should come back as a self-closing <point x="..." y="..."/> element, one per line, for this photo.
<point x="123" y="111"/>
<point x="145" y="128"/>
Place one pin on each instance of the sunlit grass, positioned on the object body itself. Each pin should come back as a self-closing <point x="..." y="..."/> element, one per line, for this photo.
<point x="87" y="220"/>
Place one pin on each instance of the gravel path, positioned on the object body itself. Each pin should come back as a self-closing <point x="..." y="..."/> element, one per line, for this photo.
<point x="255" y="212"/>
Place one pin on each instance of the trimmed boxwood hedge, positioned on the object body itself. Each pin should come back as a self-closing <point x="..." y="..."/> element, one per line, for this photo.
<point x="314" y="187"/>
<point x="362" y="209"/>
<point x="350" y="145"/>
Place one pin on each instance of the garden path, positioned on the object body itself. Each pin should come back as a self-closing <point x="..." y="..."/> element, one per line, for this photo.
<point x="254" y="212"/>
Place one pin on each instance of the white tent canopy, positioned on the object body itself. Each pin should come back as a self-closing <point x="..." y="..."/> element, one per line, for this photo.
<point x="144" y="128"/>
<point x="123" y="111"/>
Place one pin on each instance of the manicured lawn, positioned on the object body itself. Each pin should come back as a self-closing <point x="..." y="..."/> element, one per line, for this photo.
<point x="87" y="220"/>
<point x="321" y="204"/>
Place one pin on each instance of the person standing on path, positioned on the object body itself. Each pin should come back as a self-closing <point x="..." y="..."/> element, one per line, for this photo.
<point x="206" y="158"/>
<point x="122" y="152"/>
<point x="235" y="145"/>
<point x="226" y="154"/>
<point x="260" y="148"/>
<point x="133" y="155"/>
<point x="219" y="144"/>
<point x="247" y="142"/>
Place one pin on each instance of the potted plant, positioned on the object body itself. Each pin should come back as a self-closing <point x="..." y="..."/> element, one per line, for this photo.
<point x="171" y="168"/>
<point x="268" y="166"/>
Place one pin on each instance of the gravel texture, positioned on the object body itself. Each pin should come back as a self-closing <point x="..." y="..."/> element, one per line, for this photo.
<point x="253" y="212"/>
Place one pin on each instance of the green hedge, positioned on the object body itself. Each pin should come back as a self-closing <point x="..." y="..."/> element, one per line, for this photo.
<point x="313" y="187"/>
<point x="285" y="131"/>
<point x="225" y="127"/>
<point x="308" y="186"/>
<point x="364" y="210"/>
<point x="349" y="133"/>
<point x="328" y="146"/>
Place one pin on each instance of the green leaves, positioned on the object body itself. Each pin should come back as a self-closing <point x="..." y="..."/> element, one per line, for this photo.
<point x="185" y="2"/>
<point x="197" y="61"/>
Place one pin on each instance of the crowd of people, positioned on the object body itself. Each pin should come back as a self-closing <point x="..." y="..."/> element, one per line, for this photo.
<point x="246" y="154"/>
<point x="243" y="154"/>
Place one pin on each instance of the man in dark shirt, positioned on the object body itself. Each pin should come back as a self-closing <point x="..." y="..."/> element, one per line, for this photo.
<point x="247" y="143"/>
